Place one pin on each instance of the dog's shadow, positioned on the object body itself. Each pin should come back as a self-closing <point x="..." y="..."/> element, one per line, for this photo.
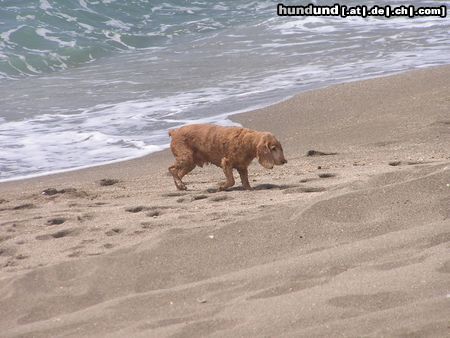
<point x="264" y="186"/>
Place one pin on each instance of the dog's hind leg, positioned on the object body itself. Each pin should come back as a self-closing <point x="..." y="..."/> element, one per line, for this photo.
<point x="228" y="171"/>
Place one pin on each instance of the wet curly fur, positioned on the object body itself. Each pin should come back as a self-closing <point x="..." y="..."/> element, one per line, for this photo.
<point x="226" y="147"/>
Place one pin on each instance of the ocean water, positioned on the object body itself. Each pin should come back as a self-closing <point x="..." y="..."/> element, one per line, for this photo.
<point x="86" y="82"/>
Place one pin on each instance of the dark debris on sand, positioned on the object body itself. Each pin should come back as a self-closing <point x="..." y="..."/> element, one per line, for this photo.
<point x="319" y="153"/>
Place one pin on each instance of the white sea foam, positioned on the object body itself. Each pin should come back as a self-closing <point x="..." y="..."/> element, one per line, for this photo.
<point x="25" y="17"/>
<point x="67" y="17"/>
<point x="50" y="36"/>
<point x="5" y="36"/>
<point x="88" y="28"/>
<point x="83" y="4"/>
<point x="45" y="5"/>
<point x="116" y="37"/>
<point x="117" y="24"/>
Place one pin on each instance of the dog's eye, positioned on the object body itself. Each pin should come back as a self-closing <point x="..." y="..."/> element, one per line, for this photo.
<point x="273" y="147"/>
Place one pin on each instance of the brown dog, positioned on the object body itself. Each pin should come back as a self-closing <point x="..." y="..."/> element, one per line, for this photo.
<point x="226" y="147"/>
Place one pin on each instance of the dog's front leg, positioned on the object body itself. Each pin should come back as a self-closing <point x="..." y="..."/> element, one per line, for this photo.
<point x="228" y="171"/>
<point x="243" y="173"/>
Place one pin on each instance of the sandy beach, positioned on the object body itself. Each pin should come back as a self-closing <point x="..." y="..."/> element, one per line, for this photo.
<point x="354" y="243"/>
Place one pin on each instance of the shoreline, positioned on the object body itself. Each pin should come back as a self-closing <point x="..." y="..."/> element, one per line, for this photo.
<point x="354" y="243"/>
<point x="228" y="116"/>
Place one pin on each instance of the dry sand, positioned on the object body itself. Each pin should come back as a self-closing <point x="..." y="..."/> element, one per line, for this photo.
<point x="359" y="247"/>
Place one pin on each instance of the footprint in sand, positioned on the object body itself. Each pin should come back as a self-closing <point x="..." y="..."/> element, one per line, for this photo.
<point x="98" y="253"/>
<point x="153" y="213"/>
<point x="10" y="263"/>
<point x="75" y="254"/>
<point x="192" y="198"/>
<point x="174" y="194"/>
<point x="312" y="189"/>
<point x="50" y="191"/>
<point x="114" y="231"/>
<point x="220" y="198"/>
<point x="85" y="217"/>
<point x="56" y="221"/>
<point x="136" y="209"/>
<point x="398" y="163"/>
<point x="198" y="197"/>
<point x="147" y="225"/>
<point x="24" y="206"/>
<point x="304" y="190"/>
<point x="108" y="181"/>
<point x="395" y="163"/>
<point x="326" y="175"/>
<point x="151" y="225"/>
<point x="59" y="234"/>
<point x="212" y="190"/>
<point x="304" y="180"/>
<point x="72" y="192"/>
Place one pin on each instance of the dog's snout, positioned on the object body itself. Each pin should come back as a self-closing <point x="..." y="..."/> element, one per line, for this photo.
<point x="284" y="161"/>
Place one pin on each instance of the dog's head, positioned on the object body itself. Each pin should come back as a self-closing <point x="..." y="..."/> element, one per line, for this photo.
<point x="269" y="151"/>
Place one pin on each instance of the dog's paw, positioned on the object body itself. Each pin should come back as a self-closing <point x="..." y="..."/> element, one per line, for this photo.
<point x="223" y="186"/>
<point x="181" y="186"/>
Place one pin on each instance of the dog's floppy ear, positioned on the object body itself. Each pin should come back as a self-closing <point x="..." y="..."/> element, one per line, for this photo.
<point x="264" y="154"/>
